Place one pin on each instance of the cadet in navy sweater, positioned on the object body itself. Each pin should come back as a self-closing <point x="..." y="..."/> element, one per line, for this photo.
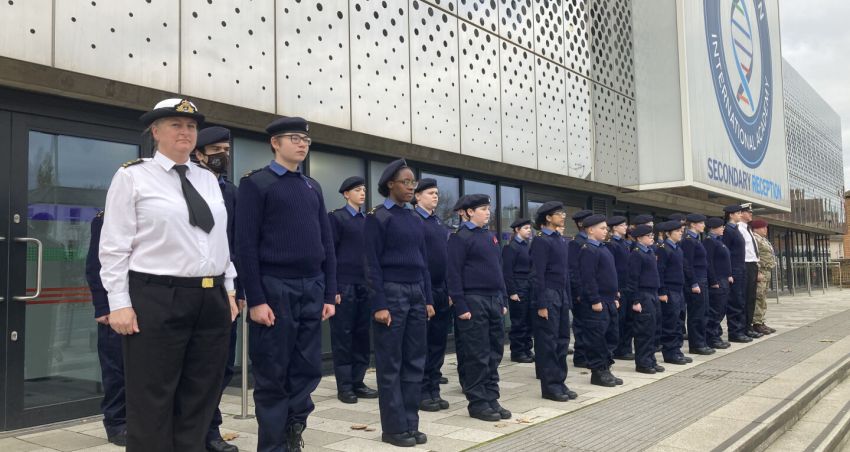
<point x="648" y="220"/>
<point x="350" y="324"/>
<point x="599" y="303"/>
<point x="642" y="288"/>
<point x="109" y="352"/>
<point x="719" y="279"/>
<point x="696" y="284"/>
<point x="550" y="289"/>
<point x="620" y="249"/>
<point x="579" y="358"/>
<point x="516" y="268"/>
<point x="427" y="196"/>
<point x="401" y="298"/>
<point x="672" y="276"/>
<point x="285" y="250"/>
<point x="736" y="316"/>
<point x="478" y="292"/>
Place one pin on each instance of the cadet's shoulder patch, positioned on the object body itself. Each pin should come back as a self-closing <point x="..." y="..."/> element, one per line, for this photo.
<point x="584" y="246"/>
<point x="252" y="172"/>
<point x="661" y="245"/>
<point x="539" y="233"/>
<point x="131" y="163"/>
<point x="374" y="209"/>
<point x="100" y="214"/>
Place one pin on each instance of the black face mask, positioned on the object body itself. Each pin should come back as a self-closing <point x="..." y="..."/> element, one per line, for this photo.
<point x="218" y="163"/>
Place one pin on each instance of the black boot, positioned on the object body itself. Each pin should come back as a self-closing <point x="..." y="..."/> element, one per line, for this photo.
<point x="294" y="441"/>
<point x="602" y="378"/>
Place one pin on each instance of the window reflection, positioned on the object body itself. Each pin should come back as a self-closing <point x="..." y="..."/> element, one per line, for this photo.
<point x="509" y="210"/>
<point x="331" y="170"/>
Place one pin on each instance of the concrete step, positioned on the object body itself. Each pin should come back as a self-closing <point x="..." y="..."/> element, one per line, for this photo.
<point x="823" y="428"/>
<point x="771" y="416"/>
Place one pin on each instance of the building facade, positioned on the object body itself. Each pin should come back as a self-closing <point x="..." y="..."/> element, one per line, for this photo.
<point x="610" y="105"/>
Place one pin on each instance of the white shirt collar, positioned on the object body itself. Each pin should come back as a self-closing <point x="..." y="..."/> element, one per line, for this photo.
<point x="166" y="163"/>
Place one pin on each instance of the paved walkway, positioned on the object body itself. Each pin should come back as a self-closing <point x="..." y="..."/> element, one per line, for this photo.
<point x="593" y="421"/>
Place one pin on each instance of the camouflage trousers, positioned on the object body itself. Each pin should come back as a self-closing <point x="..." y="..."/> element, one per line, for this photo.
<point x="761" y="298"/>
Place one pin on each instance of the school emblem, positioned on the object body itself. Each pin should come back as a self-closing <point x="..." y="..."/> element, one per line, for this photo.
<point x="739" y="56"/>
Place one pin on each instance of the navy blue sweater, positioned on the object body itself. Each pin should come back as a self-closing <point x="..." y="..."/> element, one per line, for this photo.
<point x="347" y="230"/>
<point x="643" y="273"/>
<point x="475" y="266"/>
<point x="719" y="265"/>
<point x="516" y="263"/>
<point x="550" y="254"/>
<point x="283" y="231"/>
<point x="620" y="250"/>
<point x="671" y="270"/>
<point x="230" y="192"/>
<point x="436" y="238"/>
<point x="598" y="273"/>
<point x="98" y="293"/>
<point x="737" y="246"/>
<point x="575" y="273"/>
<point x="695" y="263"/>
<point x="395" y="251"/>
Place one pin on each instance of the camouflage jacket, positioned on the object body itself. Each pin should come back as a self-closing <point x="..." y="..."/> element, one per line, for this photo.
<point x="767" y="260"/>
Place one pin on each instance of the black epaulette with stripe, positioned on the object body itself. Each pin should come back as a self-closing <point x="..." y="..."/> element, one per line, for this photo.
<point x="100" y="214"/>
<point x="539" y="233"/>
<point x="251" y="173"/>
<point x="131" y="163"/>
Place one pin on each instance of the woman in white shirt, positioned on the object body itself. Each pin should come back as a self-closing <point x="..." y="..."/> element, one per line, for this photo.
<point x="167" y="270"/>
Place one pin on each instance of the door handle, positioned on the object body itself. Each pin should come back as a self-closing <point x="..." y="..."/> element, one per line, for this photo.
<point x="37" y="271"/>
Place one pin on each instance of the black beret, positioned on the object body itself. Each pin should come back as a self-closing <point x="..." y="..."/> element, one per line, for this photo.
<point x="680" y="217"/>
<point x="172" y="107"/>
<point x="668" y="226"/>
<point x="643" y="219"/>
<point x="592" y="220"/>
<point x="389" y="173"/>
<point x="615" y="220"/>
<point x="695" y="217"/>
<point x="425" y="184"/>
<point x="212" y="135"/>
<point x="581" y="215"/>
<point x="475" y="201"/>
<point x="733" y="208"/>
<point x="459" y="204"/>
<point x="548" y="208"/>
<point x="641" y="230"/>
<point x="714" y="222"/>
<point x="520" y="222"/>
<point x="351" y="182"/>
<point x="287" y="125"/>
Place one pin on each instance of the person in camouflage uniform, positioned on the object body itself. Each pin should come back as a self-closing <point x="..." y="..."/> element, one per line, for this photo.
<point x="767" y="262"/>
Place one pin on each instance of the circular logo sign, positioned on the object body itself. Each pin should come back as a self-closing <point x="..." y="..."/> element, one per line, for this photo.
<point x="739" y="58"/>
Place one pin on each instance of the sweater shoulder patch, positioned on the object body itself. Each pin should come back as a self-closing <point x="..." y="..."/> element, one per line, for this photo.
<point x="251" y="173"/>
<point x="100" y="214"/>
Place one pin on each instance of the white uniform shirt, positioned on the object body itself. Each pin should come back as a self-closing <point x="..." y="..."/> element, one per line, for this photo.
<point x="146" y="228"/>
<point x="750" y="252"/>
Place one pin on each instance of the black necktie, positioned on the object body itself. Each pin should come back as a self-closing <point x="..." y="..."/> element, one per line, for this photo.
<point x="199" y="212"/>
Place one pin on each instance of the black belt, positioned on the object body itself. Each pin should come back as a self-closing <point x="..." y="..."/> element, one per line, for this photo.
<point x="207" y="282"/>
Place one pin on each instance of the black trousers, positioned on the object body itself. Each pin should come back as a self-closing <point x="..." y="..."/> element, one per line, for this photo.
<point x="717" y="298"/>
<point x="750" y="292"/>
<point x="697" y="309"/>
<point x="625" y="320"/>
<point x="551" y="341"/>
<point x="214" y="433"/>
<point x="438" y="333"/>
<point x="644" y="327"/>
<point x="736" y="304"/>
<point x="112" y="376"/>
<point x="601" y="333"/>
<point x="671" y="328"/>
<point x="522" y="318"/>
<point x="350" y="336"/>
<point x="481" y="348"/>
<point x="174" y="366"/>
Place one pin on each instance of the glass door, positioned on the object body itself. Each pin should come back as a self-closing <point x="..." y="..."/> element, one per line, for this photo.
<point x="59" y="174"/>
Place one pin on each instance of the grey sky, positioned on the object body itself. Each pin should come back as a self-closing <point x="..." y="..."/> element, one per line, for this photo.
<point x="816" y="41"/>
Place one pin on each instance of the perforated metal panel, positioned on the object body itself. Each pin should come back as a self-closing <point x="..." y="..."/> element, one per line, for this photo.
<point x="434" y="77"/>
<point x="515" y="22"/>
<point x="611" y="45"/>
<point x="627" y="156"/>
<point x="605" y="110"/>
<point x="552" y="151"/>
<point x="549" y="29"/>
<point x="26" y="30"/>
<point x="446" y="5"/>
<point x="227" y="51"/>
<point x="132" y="41"/>
<point x="481" y="134"/>
<point x="313" y="61"/>
<point x="519" y="126"/>
<point x="577" y="35"/>
<point x="481" y="13"/>
<point x="380" y="72"/>
<point x="579" y="126"/>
